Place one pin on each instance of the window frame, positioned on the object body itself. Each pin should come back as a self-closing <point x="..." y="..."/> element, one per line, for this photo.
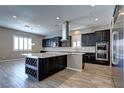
<point x="23" y="43"/>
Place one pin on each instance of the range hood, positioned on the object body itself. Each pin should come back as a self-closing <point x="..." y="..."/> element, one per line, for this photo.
<point x="65" y="31"/>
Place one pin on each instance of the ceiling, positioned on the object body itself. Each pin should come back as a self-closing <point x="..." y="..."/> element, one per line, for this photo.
<point x="42" y="19"/>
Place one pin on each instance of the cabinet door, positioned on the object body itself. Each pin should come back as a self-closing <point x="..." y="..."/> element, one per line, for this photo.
<point x="50" y="66"/>
<point x="99" y="36"/>
<point x="61" y="62"/>
<point x="92" y="40"/>
<point x="103" y="36"/>
<point x="107" y="34"/>
<point x="47" y="42"/>
<point x="88" y="39"/>
<point x="84" y="40"/>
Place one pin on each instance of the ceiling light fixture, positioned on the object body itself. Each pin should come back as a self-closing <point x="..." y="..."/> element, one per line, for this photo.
<point x="92" y="5"/>
<point x="39" y="25"/>
<point x="96" y="19"/>
<point x="57" y="18"/>
<point x="14" y="16"/>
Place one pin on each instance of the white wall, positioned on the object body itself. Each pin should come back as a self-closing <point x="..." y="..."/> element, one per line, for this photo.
<point x="6" y="43"/>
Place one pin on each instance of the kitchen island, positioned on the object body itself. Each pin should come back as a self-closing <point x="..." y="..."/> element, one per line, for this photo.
<point x="39" y="66"/>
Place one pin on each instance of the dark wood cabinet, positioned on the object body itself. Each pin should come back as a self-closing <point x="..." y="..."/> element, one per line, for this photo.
<point x="40" y="68"/>
<point x="50" y="66"/>
<point x="89" y="58"/>
<point x="56" y="42"/>
<point x="46" y="42"/>
<point x="88" y="39"/>
<point x="67" y="43"/>
<point x="61" y="62"/>
<point x="103" y="36"/>
<point x="52" y="42"/>
<point x="55" y="64"/>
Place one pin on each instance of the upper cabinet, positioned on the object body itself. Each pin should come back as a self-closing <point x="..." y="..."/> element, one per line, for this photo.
<point x="56" y="42"/>
<point x="103" y="36"/>
<point x="52" y="42"/>
<point x="88" y="39"/>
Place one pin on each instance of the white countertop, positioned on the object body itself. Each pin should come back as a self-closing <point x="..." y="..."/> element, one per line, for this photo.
<point x="49" y="54"/>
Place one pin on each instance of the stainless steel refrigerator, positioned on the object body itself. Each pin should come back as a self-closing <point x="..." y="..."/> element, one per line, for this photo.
<point x="117" y="56"/>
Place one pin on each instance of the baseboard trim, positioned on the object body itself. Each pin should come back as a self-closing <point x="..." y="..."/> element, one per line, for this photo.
<point x="11" y="60"/>
<point x="79" y="70"/>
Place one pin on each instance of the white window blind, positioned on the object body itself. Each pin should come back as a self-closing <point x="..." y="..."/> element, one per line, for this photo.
<point x="22" y="43"/>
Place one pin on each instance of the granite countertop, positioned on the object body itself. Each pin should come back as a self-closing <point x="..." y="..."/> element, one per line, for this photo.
<point x="43" y="55"/>
<point x="48" y="54"/>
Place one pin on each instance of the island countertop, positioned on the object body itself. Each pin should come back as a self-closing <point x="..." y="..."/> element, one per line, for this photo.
<point x="48" y="54"/>
<point x="42" y="55"/>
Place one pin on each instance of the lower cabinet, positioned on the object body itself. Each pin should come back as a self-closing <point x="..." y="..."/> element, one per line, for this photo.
<point x="55" y="64"/>
<point x="38" y="69"/>
<point x="90" y="58"/>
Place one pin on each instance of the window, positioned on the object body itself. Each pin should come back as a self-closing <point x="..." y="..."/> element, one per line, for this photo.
<point x="22" y="43"/>
<point x="25" y="43"/>
<point x="16" y="43"/>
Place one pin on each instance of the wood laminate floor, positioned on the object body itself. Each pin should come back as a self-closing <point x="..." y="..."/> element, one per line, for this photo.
<point x="12" y="75"/>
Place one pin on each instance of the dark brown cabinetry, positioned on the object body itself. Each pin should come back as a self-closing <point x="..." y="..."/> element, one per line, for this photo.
<point x="55" y="64"/>
<point x="40" y="68"/>
<point x="88" y="39"/>
<point x="91" y="58"/>
<point x="56" y="42"/>
<point x="52" y="42"/>
<point x="103" y="36"/>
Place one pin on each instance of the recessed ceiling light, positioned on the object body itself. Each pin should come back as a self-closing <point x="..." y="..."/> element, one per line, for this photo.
<point x="92" y="5"/>
<point x="39" y="25"/>
<point x="57" y="18"/>
<point x="96" y="19"/>
<point x="14" y="16"/>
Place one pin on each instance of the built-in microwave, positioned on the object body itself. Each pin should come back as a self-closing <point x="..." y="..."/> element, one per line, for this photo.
<point x="101" y="46"/>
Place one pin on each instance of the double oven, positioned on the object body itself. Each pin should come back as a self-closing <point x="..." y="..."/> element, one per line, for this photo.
<point x="102" y="51"/>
